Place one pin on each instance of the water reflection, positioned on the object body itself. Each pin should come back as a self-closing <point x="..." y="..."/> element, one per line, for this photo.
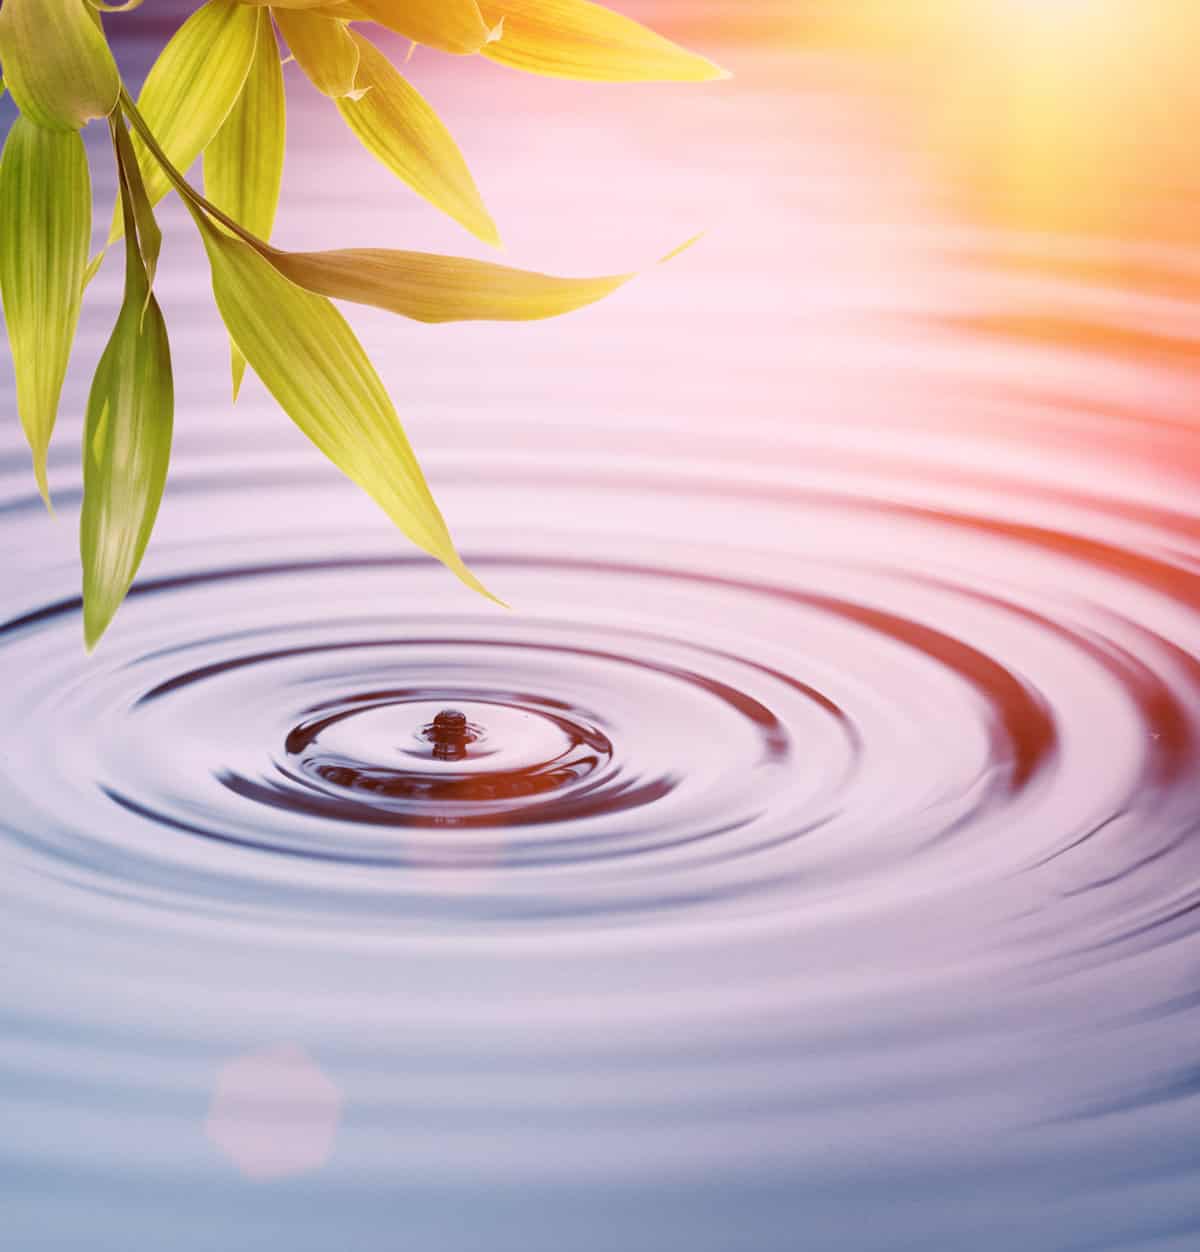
<point x="274" y="1113"/>
<point x="817" y="861"/>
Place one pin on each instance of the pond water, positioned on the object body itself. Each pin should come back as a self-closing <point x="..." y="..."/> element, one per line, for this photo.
<point x="814" y="863"/>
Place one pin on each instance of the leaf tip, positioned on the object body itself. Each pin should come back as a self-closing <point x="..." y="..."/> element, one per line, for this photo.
<point x="93" y="268"/>
<point x="696" y="68"/>
<point x="488" y="232"/>
<point x="41" y="477"/>
<point x="95" y="623"/>
<point x="683" y="247"/>
<point x="459" y="567"/>
<point x="238" y="371"/>
<point x="474" y="217"/>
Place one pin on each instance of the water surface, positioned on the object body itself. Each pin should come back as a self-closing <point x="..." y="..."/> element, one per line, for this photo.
<point x="815" y="864"/>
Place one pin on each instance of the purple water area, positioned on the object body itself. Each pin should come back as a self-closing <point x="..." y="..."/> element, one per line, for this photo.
<point x="814" y="864"/>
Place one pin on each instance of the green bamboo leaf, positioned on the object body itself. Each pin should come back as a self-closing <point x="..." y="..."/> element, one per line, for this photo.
<point x="396" y="125"/>
<point x="192" y="87"/>
<point x="127" y="436"/>
<point x="45" y="226"/>
<point x="310" y="361"/>
<point x="324" y="49"/>
<point x="578" y="39"/>
<point x="93" y="268"/>
<point x="57" y="63"/>
<point x="243" y="166"/>
<point x="148" y="238"/>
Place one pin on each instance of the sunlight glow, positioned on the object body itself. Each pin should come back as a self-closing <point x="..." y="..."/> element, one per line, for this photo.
<point x="1052" y="111"/>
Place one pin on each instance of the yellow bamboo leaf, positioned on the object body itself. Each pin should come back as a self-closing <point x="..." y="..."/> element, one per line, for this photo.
<point x="431" y="288"/>
<point x="127" y="436"/>
<point x="308" y="358"/>
<point x="397" y="126"/>
<point x="419" y="285"/>
<point x="243" y="166"/>
<point x="578" y="39"/>
<point x="57" y="63"/>
<point x="324" y="49"/>
<point x="310" y="361"/>
<point x="448" y="25"/>
<point x="45" y="226"/>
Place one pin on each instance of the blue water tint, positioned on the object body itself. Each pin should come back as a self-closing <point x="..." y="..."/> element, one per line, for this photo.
<point x="820" y="867"/>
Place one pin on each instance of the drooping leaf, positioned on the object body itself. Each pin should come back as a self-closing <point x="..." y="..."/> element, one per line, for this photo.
<point x="192" y="87"/>
<point x="396" y="125"/>
<point x="127" y="436"/>
<point x="419" y="285"/>
<point x="448" y="25"/>
<point x="310" y="361"/>
<point x="324" y="49"/>
<point x="578" y="39"/>
<point x="131" y="188"/>
<point x="431" y="288"/>
<point x="243" y="166"/>
<point x="308" y="358"/>
<point x="149" y="238"/>
<point x="57" y="63"/>
<point x="45" y="227"/>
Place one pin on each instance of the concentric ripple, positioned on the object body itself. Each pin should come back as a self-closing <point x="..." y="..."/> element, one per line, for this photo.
<point x="448" y="769"/>
<point x="826" y="792"/>
<point x="830" y="772"/>
<point x="808" y="860"/>
<point x="640" y="739"/>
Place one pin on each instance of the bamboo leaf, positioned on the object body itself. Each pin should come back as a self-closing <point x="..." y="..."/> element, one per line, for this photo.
<point x="396" y="125"/>
<point x="127" y="436"/>
<point x="308" y="358"/>
<point x="45" y="226"/>
<point x="448" y="25"/>
<point x="57" y="63"/>
<point x="324" y="49"/>
<point x="419" y="285"/>
<point x="243" y="166"/>
<point x="578" y="39"/>
<point x="148" y="238"/>
<point x="429" y="288"/>
<point x="192" y="87"/>
<point x="310" y="361"/>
